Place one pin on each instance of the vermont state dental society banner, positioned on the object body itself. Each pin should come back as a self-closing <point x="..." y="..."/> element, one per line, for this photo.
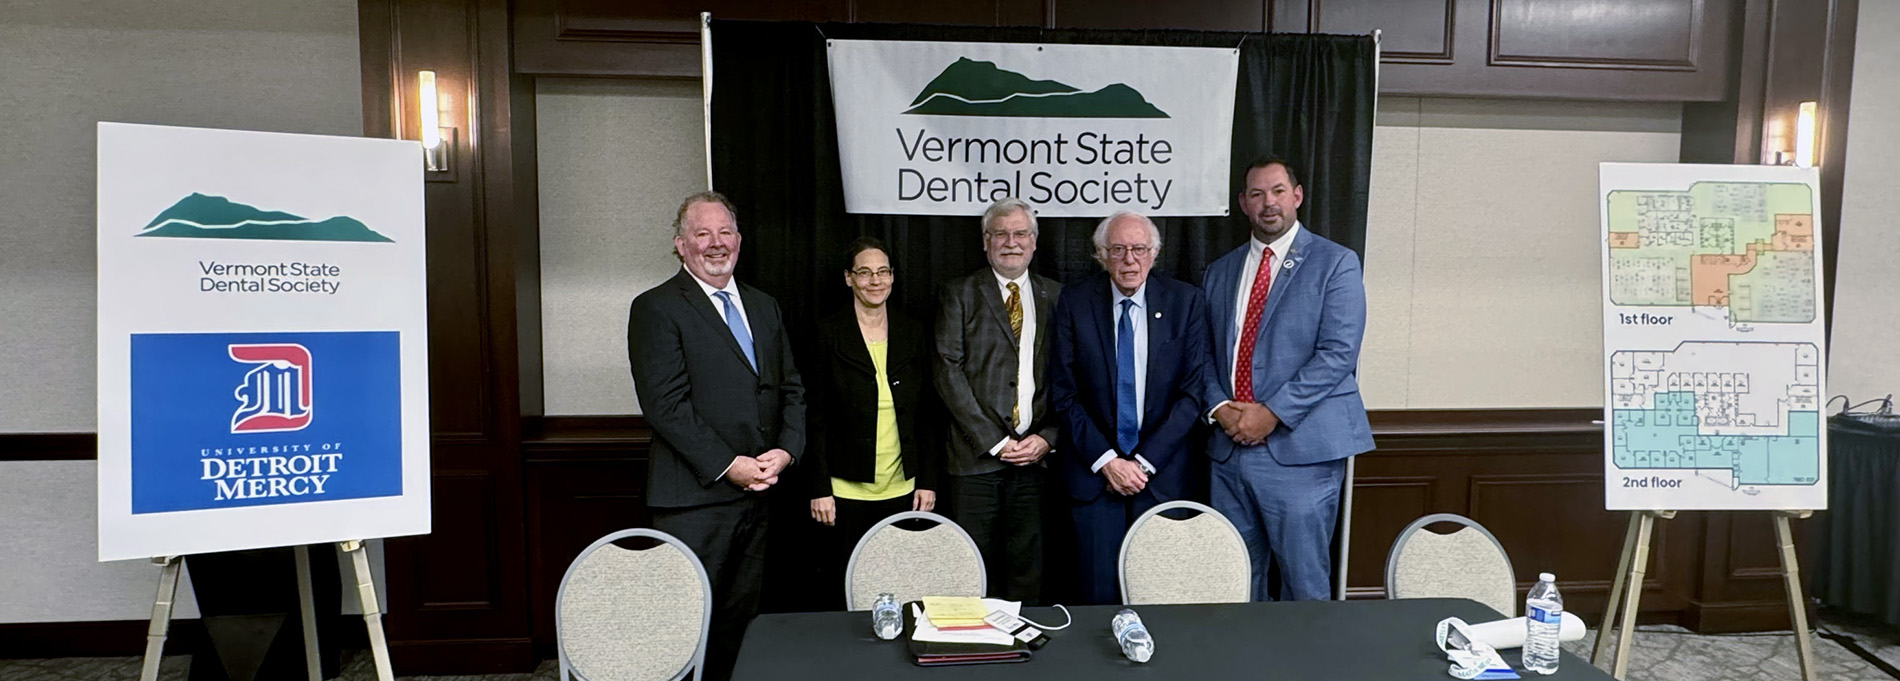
<point x="263" y="367"/>
<point x="946" y="128"/>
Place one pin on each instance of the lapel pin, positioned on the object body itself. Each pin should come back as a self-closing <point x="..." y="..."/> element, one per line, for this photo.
<point x="1286" y="265"/>
<point x="1157" y="315"/>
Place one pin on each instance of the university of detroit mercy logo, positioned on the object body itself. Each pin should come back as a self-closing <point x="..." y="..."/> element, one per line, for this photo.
<point x="221" y="420"/>
<point x="275" y="394"/>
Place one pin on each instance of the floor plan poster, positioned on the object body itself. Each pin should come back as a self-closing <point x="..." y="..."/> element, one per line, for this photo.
<point x="1713" y="339"/>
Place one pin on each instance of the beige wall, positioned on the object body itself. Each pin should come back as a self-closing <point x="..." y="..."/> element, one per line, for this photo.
<point x="51" y="572"/>
<point x="615" y="158"/>
<point x="1481" y="266"/>
<point x="1482" y="256"/>
<point x="1864" y="361"/>
<point x="280" y="65"/>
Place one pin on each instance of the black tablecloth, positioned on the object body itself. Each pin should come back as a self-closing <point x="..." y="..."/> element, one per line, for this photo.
<point x="1859" y="555"/>
<point x="1320" y="640"/>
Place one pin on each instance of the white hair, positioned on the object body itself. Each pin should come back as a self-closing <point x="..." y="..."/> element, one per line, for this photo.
<point x="1101" y="232"/>
<point x="1003" y="207"/>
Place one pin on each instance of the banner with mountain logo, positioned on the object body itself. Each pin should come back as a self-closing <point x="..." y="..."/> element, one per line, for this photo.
<point x="946" y="128"/>
<point x="263" y="340"/>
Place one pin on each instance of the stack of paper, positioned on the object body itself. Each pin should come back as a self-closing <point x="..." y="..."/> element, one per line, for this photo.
<point x="955" y="613"/>
<point x="926" y="631"/>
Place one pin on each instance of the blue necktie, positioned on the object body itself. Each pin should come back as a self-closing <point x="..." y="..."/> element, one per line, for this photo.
<point x="1127" y="421"/>
<point x="737" y="324"/>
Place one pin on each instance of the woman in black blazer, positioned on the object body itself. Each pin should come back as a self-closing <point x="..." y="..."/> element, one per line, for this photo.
<point x="871" y="411"/>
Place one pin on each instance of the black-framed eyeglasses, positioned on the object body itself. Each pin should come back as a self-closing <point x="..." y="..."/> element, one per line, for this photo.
<point x="868" y="273"/>
<point x="1139" y="251"/>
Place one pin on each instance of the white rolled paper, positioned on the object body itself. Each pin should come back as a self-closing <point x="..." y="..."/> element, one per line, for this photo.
<point x="1504" y="634"/>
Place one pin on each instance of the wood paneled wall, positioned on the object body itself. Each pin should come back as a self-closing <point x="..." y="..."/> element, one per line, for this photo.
<point x="1652" y="50"/>
<point x="458" y="597"/>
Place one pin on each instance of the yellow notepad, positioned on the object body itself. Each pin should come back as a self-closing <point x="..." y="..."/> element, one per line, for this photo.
<point x="946" y="612"/>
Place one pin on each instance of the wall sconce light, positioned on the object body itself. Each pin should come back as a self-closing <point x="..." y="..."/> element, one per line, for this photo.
<point x="437" y="140"/>
<point x="1804" y="135"/>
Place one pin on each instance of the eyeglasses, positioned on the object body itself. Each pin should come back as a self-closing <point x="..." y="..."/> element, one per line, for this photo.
<point x="866" y="273"/>
<point x="1018" y="235"/>
<point x="1140" y="252"/>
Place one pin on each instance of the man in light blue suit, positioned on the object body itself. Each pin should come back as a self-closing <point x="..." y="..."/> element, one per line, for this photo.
<point x="1288" y="311"/>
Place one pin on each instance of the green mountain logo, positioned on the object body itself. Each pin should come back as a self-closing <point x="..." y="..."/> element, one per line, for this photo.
<point x="201" y="216"/>
<point x="979" y="88"/>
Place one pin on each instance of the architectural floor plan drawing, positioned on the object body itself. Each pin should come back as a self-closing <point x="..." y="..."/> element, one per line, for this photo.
<point x="1745" y="249"/>
<point x="1744" y="413"/>
<point x="1713" y="338"/>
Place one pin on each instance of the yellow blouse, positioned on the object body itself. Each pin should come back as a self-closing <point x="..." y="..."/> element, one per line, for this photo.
<point x="890" y="482"/>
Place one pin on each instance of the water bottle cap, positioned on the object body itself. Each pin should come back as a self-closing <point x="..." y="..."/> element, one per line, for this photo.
<point x="1548" y="577"/>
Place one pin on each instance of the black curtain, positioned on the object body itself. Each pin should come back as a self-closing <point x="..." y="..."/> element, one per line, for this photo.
<point x="1308" y="98"/>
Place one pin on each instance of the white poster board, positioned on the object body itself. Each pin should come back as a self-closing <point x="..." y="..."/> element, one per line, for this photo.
<point x="263" y="368"/>
<point x="1713" y="338"/>
<point x="944" y="128"/>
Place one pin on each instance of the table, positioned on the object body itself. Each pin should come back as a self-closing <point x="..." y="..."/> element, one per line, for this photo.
<point x="1858" y="561"/>
<point x="1320" y="640"/>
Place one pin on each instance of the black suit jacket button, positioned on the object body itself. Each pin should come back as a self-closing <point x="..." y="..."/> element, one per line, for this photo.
<point x="764" y="389"/>
<point x="1012" y="384"/>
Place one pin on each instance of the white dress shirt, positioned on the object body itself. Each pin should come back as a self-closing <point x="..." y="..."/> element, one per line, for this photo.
<point x="1025" y="354"/>
<point x="1248" y="269"/>
<point x="1138" y="319"/>
<point x="712" y="294"/>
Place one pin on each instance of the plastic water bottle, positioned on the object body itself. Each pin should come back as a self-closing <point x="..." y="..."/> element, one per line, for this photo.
<point x="1132" y="636"/>
<point x="1543" y="617"/>
<point x="886" y="618"/>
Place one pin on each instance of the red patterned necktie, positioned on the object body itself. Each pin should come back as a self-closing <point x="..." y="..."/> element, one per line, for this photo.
<point x="1256" y="302"/>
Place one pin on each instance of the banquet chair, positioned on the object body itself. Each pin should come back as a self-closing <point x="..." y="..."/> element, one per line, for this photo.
<point x="940" y="560"/>
<point x="1465" y="563"/>
<point x="1197" y="559"/>
<point x="633" y="615"/>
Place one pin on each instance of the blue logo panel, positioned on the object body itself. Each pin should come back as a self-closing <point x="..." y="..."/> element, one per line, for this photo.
<point x="222" y="420"/>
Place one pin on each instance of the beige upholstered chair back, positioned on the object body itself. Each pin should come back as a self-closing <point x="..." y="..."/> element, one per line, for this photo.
<point x="1201" y="559"/>
<point x="912" y="564"/>
<point x="625" y="615"/>
<point x="1467" y="563"/>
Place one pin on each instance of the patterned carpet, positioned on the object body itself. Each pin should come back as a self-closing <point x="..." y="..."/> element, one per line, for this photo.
<point x="1670" y="653"/>
<point x="1662" y="653"/>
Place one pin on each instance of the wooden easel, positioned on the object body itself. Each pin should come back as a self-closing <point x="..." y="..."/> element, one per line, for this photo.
<point x="365" y="590"/>
<point x="1635" y="561"/>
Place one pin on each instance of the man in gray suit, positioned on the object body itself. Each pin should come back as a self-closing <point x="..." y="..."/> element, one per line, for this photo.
<point x="715" y="377"/>
<point x="992" y="344"/>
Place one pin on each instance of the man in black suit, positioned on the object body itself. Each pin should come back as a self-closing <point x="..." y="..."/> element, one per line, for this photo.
<point x="992" y="346"/>
<point x="715" y="377"/>
<point x="1131" y="358"/>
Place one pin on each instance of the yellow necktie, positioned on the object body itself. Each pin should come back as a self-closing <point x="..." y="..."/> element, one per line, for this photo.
<point x="1015" y="307"/>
